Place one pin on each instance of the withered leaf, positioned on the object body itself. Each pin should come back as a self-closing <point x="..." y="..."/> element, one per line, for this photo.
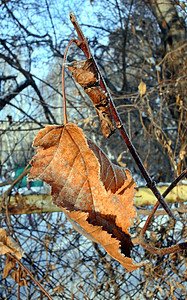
<point x="19" y="276"/>
<point x="9" y="265"/>
<point x="82" y="75"/>
<point x="85" y="74"/>
<point x="8" y="245"/>
<point x="58" y="289"/>
<point x="95" y="193"/>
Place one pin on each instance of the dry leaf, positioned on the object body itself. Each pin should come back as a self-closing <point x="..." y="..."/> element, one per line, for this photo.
<point x="95" y="193"/>
<point x="86" y="75"/>
<point x="19" y="276"/>
<point x="8" y="245"/>
<point x="58" y="289"/>
<point x="120" y="162"/>
<point x="183" y="5"/>
<point x="9" y="265"/>
<point x="142" y="88"/>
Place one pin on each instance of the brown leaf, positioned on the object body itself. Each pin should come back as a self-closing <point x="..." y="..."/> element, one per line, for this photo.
<point x="9" y="265"/>
<point x="58" y="289"/>
<point x="8" y="245"/>
<point x="98" y="95"/>
<point x="133" y="29"/>
<point x="84" y="72"/>
<point x="183" y="5"/>
<point x="82" y="75"/>
<point x="86" y="75"/>
<point x="19" y="276"/>
<point x="95" y="193"/>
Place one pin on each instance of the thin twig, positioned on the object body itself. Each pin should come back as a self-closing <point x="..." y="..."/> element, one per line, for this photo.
<point x="159" y="251"/>
<point x="65" y="119"/>
<point x="141" y="240"/>
<point x="82" y="43"/>
<point x="171" y="52"/>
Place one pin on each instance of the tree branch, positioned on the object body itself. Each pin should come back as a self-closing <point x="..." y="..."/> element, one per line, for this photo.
<point x="12" y="94"/>
<point x="166" y="192"/>
<point x="23" y="27"/>
<point x="159" y="251"/>
<point x="5" y="78"/>
<point x="16" y="64"/>
<point x="40" y="203"/>
<point x="27" y="115"/>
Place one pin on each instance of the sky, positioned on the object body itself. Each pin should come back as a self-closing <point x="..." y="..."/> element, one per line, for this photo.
<point x="53" y="20"/>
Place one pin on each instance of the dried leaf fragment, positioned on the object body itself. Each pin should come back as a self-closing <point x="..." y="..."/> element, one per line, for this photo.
<point x="8" y="245"/>
<point x="58" y="289"/>
<point x="19" y="276"/>
<point x="95" y="193"/>
<point x="142" y="88"/>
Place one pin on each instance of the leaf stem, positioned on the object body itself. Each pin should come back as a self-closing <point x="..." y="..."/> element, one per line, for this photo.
<point x="65" y="119"/>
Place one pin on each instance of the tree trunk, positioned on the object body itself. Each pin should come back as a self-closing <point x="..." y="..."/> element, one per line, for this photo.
<point x="172" y="26"/>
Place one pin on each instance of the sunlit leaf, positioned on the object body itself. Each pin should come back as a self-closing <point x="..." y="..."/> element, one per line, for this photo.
<point x="94" y="192"/>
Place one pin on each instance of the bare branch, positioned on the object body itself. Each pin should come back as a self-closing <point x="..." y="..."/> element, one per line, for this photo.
<point x="23" y="27"/>
<point x="5" y="78"/>
<point x="167" y="191"/>
<point x="159" y="251"/>
<point x="15" y="64"/>
<point x="12" y="94"/>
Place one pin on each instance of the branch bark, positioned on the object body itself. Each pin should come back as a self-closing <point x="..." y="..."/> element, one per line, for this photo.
<point x="40" y="203"/>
